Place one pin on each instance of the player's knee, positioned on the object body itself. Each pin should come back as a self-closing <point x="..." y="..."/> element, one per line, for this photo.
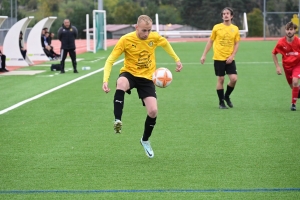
<point x="122" y="84"/>
<point x="221" y="79"/>
<point x="152" y="112"/>
<point x="233" y="79"/>
<point x="295" y="82"/>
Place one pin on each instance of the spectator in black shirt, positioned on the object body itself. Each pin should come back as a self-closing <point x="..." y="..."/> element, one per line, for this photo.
<point x="67" y="35"/>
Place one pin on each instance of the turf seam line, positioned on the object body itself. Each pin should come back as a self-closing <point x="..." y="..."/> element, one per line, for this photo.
<point x="53" y="89"/>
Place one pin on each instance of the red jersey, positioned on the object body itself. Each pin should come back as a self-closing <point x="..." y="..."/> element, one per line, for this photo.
<point x="290" y="51"/>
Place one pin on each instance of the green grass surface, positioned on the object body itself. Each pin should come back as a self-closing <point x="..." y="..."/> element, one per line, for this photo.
<point x="65" y="141"/>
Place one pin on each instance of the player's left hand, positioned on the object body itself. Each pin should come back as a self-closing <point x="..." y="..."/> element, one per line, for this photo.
<point x="178" y="66"/>
<point x="229" y="60"/>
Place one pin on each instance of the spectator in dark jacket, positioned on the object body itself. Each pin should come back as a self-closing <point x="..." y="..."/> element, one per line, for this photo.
<point x="46" y="47"/>
<point x="67" y="35"/>
<point x="22" y="49"/>
<point x="49" y="40"/>
<point x="3" y="65"/>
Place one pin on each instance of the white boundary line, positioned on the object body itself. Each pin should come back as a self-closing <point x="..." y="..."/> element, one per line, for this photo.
<point x="53" y="89"/>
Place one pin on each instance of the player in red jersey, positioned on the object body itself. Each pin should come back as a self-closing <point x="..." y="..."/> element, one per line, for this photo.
<point x="289" y="48"/>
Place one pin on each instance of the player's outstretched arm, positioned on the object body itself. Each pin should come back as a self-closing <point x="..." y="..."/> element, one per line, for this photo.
<point x="178" y="66"/>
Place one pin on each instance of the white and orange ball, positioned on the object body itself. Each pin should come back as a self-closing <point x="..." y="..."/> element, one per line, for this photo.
<point x="162" y="77"/>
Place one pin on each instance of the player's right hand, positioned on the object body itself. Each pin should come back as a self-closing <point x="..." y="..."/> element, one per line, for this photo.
<point x="202" y="60"/>
<point x="278" y="70"/>
<point x="105" y="87"/>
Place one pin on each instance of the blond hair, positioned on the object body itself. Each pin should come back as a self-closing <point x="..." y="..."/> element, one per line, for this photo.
<point x="144" y="18"/>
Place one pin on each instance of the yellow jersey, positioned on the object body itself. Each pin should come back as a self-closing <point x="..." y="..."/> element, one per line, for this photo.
<point x="224" y="38"/>
<point x="139" y="55"/>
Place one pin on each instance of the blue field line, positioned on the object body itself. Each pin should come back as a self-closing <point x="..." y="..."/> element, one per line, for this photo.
<point x="154" y="191"/>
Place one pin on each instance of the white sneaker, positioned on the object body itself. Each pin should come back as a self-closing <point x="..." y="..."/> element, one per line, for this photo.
<point x="117" y="126"/>
<point x="148" y="150"/>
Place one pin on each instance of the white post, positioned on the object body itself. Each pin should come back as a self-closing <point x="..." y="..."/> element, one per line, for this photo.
<point x="265" y="14"/>
<point x="88" y="48"/>
<point x="105" y="36"/>
<point x="100" y="5"/>
<point x="94" y="32"/>
<point x="157" y="23"/>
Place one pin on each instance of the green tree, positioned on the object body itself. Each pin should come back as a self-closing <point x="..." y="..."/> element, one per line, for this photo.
<point x="127" y="12"/>
<point x="151" y="9"/>
<point x="5" y="8"/>
<point x="76" y="11"/>
<point x="255" y="23"/>
<point x="204" y="14"/>
<point x="169" y="14"/>
<point x="109" y="6"/>
<point x="32" y="4"/>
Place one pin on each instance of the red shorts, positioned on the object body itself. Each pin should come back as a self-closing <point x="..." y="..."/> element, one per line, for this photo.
<point x="293" y="72"/>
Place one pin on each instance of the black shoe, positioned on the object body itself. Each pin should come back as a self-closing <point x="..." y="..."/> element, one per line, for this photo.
<point x="293" y="107"/>
<point x="75" y="71"/>
<point x="2" y="70"/>
<point x="222" y="106"/>
<point x="228" y="102"/>
<point x="62" y="72"/>
<point x="5" y="70"/>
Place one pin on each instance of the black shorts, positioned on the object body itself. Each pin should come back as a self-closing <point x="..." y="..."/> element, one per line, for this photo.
<point x="221" y="67"/>
<point x="145" y="87"/>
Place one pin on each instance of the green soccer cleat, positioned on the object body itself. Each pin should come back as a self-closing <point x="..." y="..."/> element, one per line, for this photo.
<point x="117" y="126"/>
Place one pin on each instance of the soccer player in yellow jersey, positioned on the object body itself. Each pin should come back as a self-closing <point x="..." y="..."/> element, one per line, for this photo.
<point x="139" y="64"/>
<point x="225" y="40"/>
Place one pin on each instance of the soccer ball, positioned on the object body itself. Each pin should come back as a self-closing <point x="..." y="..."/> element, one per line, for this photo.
<point x="162" y="77"/>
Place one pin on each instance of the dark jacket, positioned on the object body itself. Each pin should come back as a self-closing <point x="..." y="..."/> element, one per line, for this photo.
<point x="67" y="37"/>
<point x="49" y="40"/>
<point x="20" y="43"/>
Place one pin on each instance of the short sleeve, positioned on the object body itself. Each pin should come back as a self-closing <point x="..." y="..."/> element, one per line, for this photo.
<point x="213" y="33"/>
<point x="276" y="49"/>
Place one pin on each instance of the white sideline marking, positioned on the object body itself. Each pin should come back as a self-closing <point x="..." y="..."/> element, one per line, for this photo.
<point x="53" y="89"/>
<point x="69" y="59"/>
<point x="97" y="59"/>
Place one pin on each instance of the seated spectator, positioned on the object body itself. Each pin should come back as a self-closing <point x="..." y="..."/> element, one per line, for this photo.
<point x="49" y="40"/>
<point x="48" y="49"/>
<point x="3" y="65"/>
<point x="22" y="49"/>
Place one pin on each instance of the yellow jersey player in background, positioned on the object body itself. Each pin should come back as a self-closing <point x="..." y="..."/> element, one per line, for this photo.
<point x="139" y="64"/>
<point x="225" y="39"/>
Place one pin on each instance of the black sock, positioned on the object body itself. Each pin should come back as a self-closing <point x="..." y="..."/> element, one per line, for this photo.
<point x="220" y="93"/>
<point x="149" y="125"/>
<point x="228" y="91"/>
<point x="118" y="104"/>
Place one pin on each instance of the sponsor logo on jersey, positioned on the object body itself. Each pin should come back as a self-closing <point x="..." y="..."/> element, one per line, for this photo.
<point x="292" y="54"/>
